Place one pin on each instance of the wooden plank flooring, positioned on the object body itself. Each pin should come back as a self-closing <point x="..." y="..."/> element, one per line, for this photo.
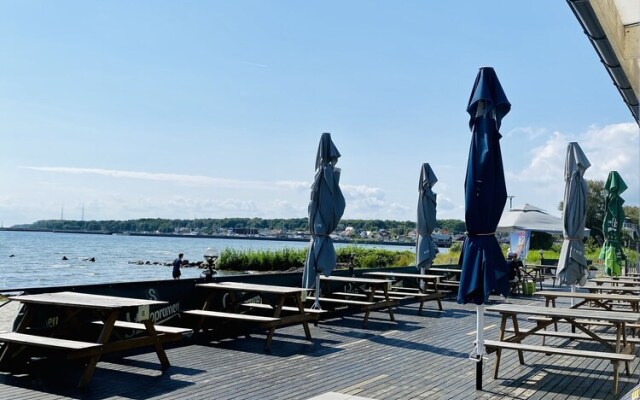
<point x="416" y="357"/>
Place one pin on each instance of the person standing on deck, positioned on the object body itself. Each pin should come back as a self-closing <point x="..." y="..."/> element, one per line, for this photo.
<point x="177" y="263"/>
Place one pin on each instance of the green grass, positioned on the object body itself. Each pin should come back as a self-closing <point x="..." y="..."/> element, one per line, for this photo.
<point x="361" y="257"/>
<point x="291" y="259"/>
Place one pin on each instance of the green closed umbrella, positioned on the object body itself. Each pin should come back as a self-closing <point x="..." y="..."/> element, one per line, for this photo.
<point x="611" y="251"/>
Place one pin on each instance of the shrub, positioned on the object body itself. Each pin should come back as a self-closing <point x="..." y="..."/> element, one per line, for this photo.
<point x="286" y="259"/>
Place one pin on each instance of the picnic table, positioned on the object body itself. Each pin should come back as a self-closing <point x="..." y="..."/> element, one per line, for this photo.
<point x="603" y="300"/>
<point x="61" y="339"/>
<point x="539" y="272"/>
<point x="602" y="288"/>
<point x="272" y="301"/>
<point x="425" y="287"/>
<point x="628" y="281"/>
<point x="620" y="351"/>
<point x="450" y="276"/>
<point x="366" y="294"/>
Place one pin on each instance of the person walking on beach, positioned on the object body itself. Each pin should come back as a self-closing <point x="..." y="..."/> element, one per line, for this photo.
<point x="177" y="263"/>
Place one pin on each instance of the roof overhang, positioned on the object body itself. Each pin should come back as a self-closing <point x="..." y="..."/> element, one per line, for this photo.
<point x="613" y="27"/>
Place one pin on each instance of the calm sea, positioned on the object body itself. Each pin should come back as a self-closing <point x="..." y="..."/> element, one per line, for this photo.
<point x="35" y="259"/>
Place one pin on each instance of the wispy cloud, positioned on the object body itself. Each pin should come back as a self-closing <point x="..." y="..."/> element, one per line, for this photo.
<point x="613" y="147"/>
<point x="196" y="180"/>
<point x="295" y="185"/>
<point x="528" y="132"/>
<point x="254" y="64"/>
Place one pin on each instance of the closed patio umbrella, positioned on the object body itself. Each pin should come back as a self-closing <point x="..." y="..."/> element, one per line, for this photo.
<point x="572" y="263"/>
<point x="611" y="251"/>
<point x="325" y="210"/>
<point x="484" y="269"/>
<point x="426" y="250"/>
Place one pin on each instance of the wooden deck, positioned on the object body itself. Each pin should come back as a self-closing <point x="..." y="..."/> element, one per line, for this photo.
<point x="416" y="357"/>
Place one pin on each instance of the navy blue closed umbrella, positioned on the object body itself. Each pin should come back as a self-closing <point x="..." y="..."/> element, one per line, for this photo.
<point x="484" y="269"/>
<point x="325" y="210"/>
<point x="426" y="250"/>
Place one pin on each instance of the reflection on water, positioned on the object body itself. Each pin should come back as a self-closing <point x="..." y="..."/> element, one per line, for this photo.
<point x="35" y="259"/>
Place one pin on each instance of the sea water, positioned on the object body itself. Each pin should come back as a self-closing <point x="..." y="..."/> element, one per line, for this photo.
<point x="35" y="259"/>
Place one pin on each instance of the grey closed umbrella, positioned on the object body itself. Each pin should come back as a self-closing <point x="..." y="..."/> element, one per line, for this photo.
<point x="325" y="210"/>
<point x="426" y="250"/>
<point x="572" y="265"/>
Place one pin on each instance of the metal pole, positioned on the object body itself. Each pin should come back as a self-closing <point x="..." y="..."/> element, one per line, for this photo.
<point x="479" y="350"/>
<point x="510" y="200"/>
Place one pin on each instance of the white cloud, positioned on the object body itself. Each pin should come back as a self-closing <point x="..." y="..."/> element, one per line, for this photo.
<point x="546" y="164"/>
<point x="192" y="180"/>
<point x="295" y="185"/>
<point x="528" y="132"/>
<point x="539" y="182"/>
<point x="361" y="191"/>
<point x="608" y="148"/>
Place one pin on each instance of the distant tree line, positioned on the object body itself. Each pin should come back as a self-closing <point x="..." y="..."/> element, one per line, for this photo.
<point x="596" y="209"/>
<point x="210" y="226"/>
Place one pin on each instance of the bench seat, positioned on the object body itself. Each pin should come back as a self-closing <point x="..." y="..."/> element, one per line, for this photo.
<point x="615" y="358"/>
<point x="141" y="327"/>
<point x="585" y="322"/>
<point x="364" y="296"/>
<point x="573" y="335"/>
<point x="48" y="342"/>
<point x="284" y="308"/>
<point x="495" y="344"/>
<point x="451" y="284"/>
<point x="416" y="292"/>
<point x="232" y="316"/>
<point x="343" y="301"/>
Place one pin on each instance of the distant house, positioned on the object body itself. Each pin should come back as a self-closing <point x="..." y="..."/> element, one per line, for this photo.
<point x="442" y="239"/>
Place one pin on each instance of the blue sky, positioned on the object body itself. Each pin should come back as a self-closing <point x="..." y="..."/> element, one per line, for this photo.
<point x="212" y="109"/>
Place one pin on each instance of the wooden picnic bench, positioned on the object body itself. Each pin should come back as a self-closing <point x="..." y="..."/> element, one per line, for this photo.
<point x="612" y="289"/>
<point x="280" y="315"/>
<point x="449" y="279"/>
<point x="602" y="300"/>
<point x="369" y="287"/>
<point x="621" y="351"/>
<point x="538" y="273"/>
<point x="72" y="305"/>
<point x="426" y="284"/>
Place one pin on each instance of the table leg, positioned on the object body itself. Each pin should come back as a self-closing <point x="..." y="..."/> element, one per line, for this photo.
<point x="539" y="273"/>
<point x="276" y="314"/>
<point x="503" y="326"/>
<point x="10" y="348"/>
<point x="207" y="306"/>
<point x="385" y="289"/>
<point x="621" y="342"/>
<point x="437" y="292"/>
<point x="103" y="338"/>
<point x="370" y="298"/>
<point x="516" y="329"/>
<point x="555" y="323"/>
<point x="305" y="324"/>
<point x="162" y="356"/>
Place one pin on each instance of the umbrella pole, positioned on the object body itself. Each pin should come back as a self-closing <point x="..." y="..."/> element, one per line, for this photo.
<point x="422" y="280"/>
<point x="478" y="352"/>
<point x="573" y="290"/>
<point x="316" y="304"/>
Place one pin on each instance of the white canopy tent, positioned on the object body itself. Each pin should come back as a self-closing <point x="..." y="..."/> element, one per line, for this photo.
<point x="529" y="218"/>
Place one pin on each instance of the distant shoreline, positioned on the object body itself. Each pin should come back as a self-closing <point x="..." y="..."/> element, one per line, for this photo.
<point x="201" y="236"/>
